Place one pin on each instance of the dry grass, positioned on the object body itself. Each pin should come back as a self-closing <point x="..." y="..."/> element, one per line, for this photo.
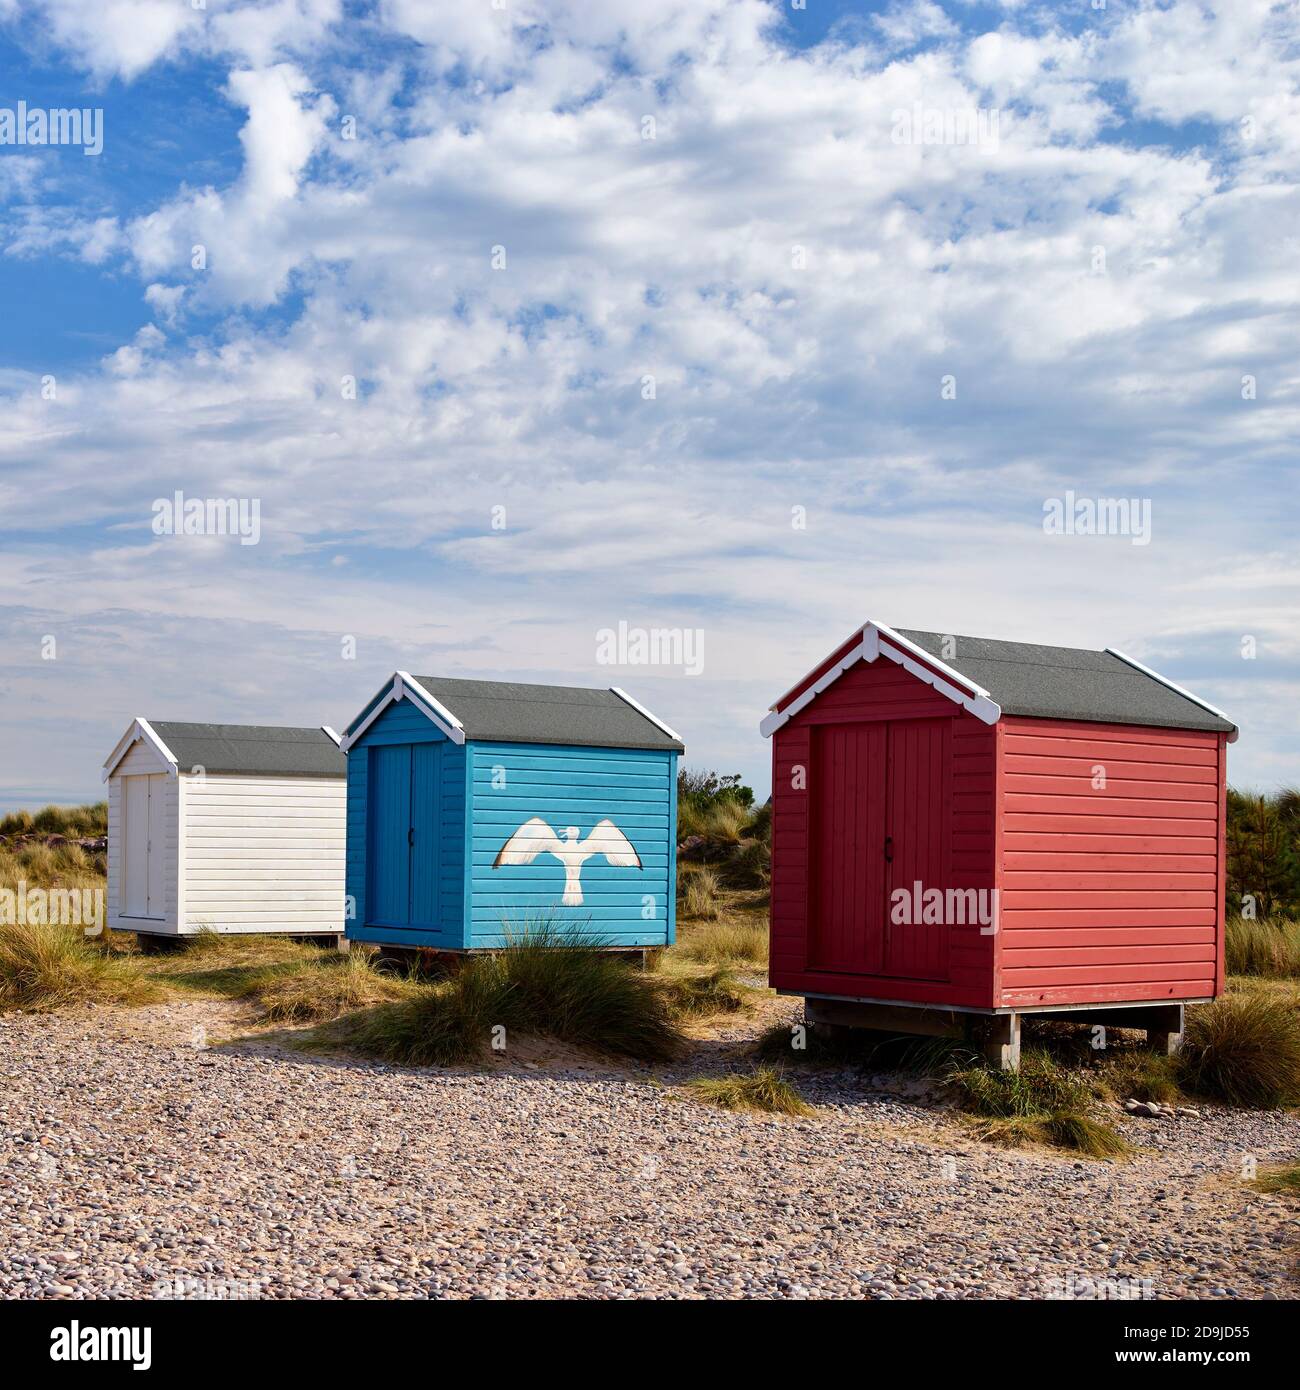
<point x="1067" y="1129"/>
<point x="313" y="991"/>
<point x="694" y="995"/>
<point x="1043" y="1103"/>
<point x="1281" y="1179"/>
<point x="45" y="967"/>
<point x="73" y="821"/>
<point x="699" y="893"/>
<point x="727" y="941"/>
<point x="1244" y="1049"/>
<point x="1267" y="949"/>
<point x="548" y="984"/>
<point x="764" y="1090"/>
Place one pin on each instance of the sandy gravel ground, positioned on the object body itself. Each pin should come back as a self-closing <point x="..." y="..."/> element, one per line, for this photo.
<point x="142" y="1156"/>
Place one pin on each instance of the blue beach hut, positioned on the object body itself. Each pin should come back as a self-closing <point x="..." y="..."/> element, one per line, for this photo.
<point x="477" y="808"/>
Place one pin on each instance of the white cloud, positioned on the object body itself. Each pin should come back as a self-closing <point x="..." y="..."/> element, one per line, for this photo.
<point x="795" y="282"/>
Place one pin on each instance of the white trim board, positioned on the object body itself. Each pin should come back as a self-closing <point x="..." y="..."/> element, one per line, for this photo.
<point x="405" y="687"/>
<point x="877" y="641"/>
<point x="140" y="731"/>
<point x="1178" y="689"/>
<point x="641" y="710"/>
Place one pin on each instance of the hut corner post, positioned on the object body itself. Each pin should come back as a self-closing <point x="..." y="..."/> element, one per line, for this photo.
<point x="1165" y="1029"/>
<point x="1002" y="1044"/>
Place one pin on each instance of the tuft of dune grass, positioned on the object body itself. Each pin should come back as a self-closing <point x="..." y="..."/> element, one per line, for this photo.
<point x="551" y="983"/>
<point x="1285" y="1178"/>
<point x="324" y="988"/>
<point x="717" y="991"/>
<point x="763" y="1089"/>
<point x="698" y="892"/>
<point x="1269" y="949"/>
<point x="1044" y="1102"/>
<point x="45" y="967"/>
<point x="1243" y="1049"/>
<point x="725" y="942"/>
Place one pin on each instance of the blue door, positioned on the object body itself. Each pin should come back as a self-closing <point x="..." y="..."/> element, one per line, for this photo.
<point x="402" y="848"/>
<point x="426" y="766"/>
<point x="388" y="852"/>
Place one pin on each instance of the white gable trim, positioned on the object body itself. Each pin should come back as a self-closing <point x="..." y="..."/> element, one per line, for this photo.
<point x="406" y="687"/>
<point x="1171" y="685"/>
<point x="879" y="640"/>
<point x="641" y="709"/>
<point x="325" y="729"/>
<point x="139" y="732"/>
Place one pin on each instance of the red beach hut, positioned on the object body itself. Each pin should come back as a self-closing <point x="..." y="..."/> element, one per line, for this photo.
<point x="966" y="831"/>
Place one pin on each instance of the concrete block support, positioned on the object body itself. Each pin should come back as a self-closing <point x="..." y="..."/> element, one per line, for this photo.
<point x="1165" y="1029"/>
<point x="1002" y="1043"/>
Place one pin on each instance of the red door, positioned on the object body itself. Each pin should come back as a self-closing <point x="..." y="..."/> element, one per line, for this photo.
<point x="880" y="812"/>
<point x="919" y="798"/>
<point x="847" y="783"/>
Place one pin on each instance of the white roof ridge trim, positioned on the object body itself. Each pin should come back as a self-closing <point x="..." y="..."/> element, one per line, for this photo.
<point x="879" y="640"/>
<point x="140" y="728"/>
<point x="654" y="719"/>
<point x="405" y="686"/>
<point x="1178" y="689"/>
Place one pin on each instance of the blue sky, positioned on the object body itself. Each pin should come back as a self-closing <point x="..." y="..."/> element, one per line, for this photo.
<point x="702" y="385"/>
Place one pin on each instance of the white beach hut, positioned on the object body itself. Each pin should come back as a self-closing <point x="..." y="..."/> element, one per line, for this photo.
<point x="226" y="827"/>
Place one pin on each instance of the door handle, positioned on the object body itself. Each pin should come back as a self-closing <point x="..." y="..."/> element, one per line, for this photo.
<point x="889" y="849"/>
<point x="410" y="837"/>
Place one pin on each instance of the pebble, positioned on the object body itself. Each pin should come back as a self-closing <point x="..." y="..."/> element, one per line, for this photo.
<point x="256" y="1172"/>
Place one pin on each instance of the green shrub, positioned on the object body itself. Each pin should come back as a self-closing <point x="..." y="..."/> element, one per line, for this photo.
<point x="1139" y="1074"/>
<point x="764" y="1089"/>
<point x="1263" y="852"/>
<point x="1243" y="1049"/>
<point x="1041" y="1087"/>
<point x="749" y="865"/>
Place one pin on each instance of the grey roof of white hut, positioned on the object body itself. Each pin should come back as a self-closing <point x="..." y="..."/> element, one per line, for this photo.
<point x="511" y="712"/>
<point x="257" y="749"/>
<point x="1067" y="683"/>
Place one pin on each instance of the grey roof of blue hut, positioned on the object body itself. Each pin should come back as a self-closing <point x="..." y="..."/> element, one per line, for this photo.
<point x="257" y="749"/>
<point x="513" y="712"/>
<point x="1045" y="682"/>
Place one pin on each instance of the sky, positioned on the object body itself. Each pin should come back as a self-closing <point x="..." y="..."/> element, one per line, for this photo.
<point x="510" y="322"/>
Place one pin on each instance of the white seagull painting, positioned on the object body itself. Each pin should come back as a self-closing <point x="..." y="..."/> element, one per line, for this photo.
<point x="535" y="837"/>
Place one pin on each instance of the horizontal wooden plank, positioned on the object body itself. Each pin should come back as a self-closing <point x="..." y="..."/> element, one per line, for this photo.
<point x="1117" y="769"/>
<point x="1107" y="954"/>
<point x="1116" y="788"/>
<point x="1162" y="972"/>
<point x="1013" y="918"/>
<point x="1104" y="823"/>
<point x="1032" y="881"/>
<point x="1101" y="898"/>
<point x="1017" y="841"/>
<point x="1070" y="862"/>
<point x="1104" y="804"/>
<point x="1030" y="937"/>
<point x="1020" y="726"/>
